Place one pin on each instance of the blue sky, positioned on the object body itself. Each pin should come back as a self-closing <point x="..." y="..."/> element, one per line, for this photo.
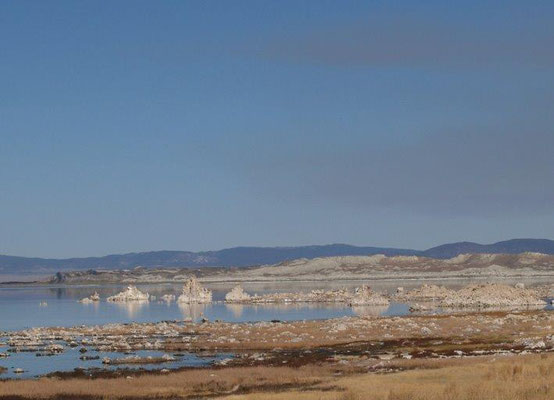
<point x="132" y="125"/>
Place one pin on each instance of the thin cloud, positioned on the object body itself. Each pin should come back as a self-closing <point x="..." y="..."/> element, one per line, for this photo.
<point x="476" y="172"/>
<point x="417" y="42"/>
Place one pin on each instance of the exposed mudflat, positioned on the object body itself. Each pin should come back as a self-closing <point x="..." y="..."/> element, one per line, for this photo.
<point x="185" y="336"/>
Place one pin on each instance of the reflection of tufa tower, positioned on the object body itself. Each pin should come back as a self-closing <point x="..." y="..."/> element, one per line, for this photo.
<point x="131" y="308"/>
<point x="194" y="293"/>
<point x="236" y="309"/>
<point x="191" y="311"/>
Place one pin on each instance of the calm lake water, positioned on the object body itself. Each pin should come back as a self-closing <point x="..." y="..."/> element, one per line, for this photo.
<point x="34" y="366"/>
<point x="20" y="307"/>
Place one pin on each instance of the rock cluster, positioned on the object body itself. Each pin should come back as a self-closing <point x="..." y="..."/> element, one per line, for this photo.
<point x="364" y="296"/>
<point x="194" y="293"/>
<point x="138" y="360"/>
<point x="237" y="295"/>
<point x="130" y="294"/>
<point x="515" y="332"/>
<point x="361" y="296"/>
<point x="491" y="295"/>
<point x="426" y="293"/>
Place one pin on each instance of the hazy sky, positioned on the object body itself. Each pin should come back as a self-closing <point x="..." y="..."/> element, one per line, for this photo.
<point x="147" y="125"/>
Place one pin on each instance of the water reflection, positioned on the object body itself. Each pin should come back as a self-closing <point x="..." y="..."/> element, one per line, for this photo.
<point x="131" y="308"/>
<point x="95" y="305"/>
<point x="367" y="311"/>
<point x="236" y="309"/>
<point x="192" y="311"/>
<point x="301" y="306"/>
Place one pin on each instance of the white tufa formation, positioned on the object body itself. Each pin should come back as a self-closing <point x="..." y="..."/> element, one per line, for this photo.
<point x="365" y="296"/>
<point x="237" y="295"/>
<point x="130" y="294"/>
<point x="194" y="293"/>
<point x="93" y="298"/>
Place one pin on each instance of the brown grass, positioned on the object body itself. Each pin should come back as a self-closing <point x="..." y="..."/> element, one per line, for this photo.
<point x="505" y="378"/>
<point x="190" y="383"/>
<point x="510" y="378"/>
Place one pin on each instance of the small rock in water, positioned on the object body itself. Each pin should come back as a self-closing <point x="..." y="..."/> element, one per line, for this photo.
<point x="168" y="298"/>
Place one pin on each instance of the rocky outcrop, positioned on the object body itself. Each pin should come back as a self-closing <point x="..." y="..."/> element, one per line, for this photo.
<point x="314" y="296"/>
<point x="194" y="293"/>
<point x="138" y="360"/>
<point x="130" y="294"/>
<point x="426" y="293"/>
<point x="237" y="295"/>
<point x="492" y="295"/>
<point x="93" y="298"/>
<point x="361" y="296"/>
<point x="364" y="296"/>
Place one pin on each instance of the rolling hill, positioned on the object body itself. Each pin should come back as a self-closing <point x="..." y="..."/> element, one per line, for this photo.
<point x="249" y="256"/>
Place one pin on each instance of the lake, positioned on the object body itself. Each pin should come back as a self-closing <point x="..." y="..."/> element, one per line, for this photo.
<point x="20" y="305"/>
<point x="20" y="308"/>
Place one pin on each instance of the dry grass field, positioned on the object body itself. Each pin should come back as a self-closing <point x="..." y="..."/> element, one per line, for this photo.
<point x="523" y="377"/>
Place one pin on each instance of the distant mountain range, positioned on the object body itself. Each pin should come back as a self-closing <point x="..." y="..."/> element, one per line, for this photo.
<point x="249" y="256"/>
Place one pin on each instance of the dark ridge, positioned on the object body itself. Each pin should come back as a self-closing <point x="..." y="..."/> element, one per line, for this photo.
<point x="513" y="246"/>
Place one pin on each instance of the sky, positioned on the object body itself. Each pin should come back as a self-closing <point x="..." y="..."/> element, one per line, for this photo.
<point x="199" y="125"/>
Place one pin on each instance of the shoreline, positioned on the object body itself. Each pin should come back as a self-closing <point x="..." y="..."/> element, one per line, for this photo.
<point x="281" y="280"/>
<point x="297" y="358"/>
